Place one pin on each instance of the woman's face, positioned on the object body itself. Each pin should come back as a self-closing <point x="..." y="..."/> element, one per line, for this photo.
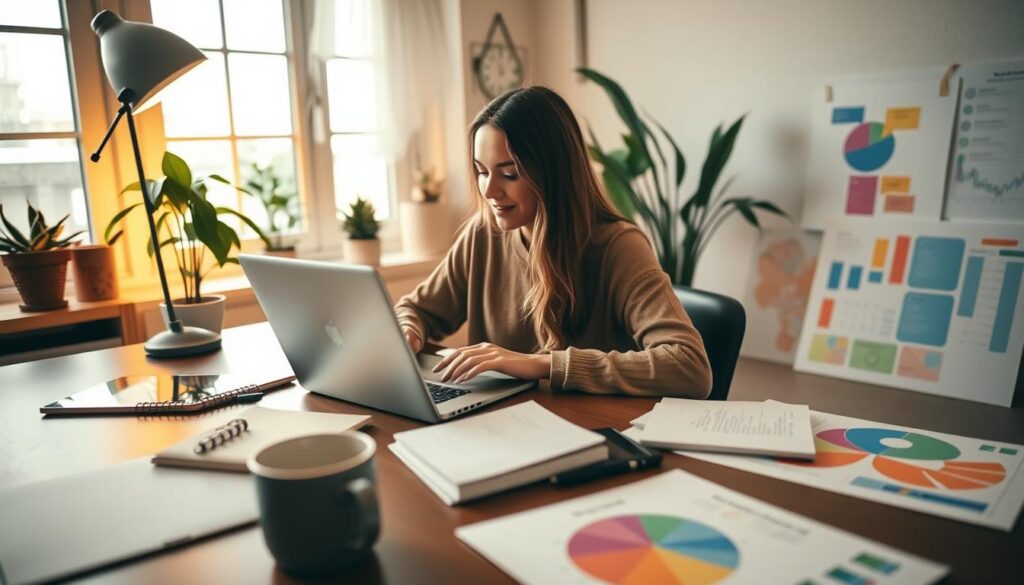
<point x="501" y="183"/>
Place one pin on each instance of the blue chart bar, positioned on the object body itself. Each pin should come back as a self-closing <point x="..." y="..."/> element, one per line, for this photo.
<point x="875" y="276"/>
<point x="972" y="279"/>
<point x="835" y="275"/>
<point x="853" y="281"/>
<point x="1006" y="307"/>
<point x="867" y="482"/>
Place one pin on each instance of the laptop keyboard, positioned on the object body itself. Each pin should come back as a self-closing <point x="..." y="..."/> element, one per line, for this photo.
<point x="439" y="393"/>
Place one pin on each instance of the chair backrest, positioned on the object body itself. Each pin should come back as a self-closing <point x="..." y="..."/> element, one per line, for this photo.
<point x="721" y="322"/>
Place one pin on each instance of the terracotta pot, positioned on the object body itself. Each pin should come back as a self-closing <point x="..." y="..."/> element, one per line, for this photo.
<point x="208" y="314"/>
<point x="426" y="229"/>
<point x="362" y="251"/>
<point x="282" y="253"/>
<point x="95" y="273"/>
<point x="40" y="278"/>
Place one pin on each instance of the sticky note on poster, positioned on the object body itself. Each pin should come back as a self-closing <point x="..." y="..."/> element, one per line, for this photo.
<point x="902" y="119"/>
<point x="891" y="184"/>
<point x="847" y="115"/>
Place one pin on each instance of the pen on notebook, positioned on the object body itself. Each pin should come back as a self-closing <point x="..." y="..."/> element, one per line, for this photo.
<point x="221" y="435"/>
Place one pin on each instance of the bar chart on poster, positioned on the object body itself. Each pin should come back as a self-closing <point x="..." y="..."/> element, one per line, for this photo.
<point x="986" y="177"/>
<point x="925" y="306"/>
<point x="879" y="147"/>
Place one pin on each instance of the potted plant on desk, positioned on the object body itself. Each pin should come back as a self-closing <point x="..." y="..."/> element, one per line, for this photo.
<point x="38" y="263"/>
<point x="362" y="245"/>
<point x="190" y="227"/>
<point x="95" y="271"/>
<point x="281" y="204"/>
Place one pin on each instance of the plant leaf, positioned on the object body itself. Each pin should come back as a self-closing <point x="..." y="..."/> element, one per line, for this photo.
<point x="13" y="231"/>
<point x="116" y="219"/>
<point x="248" y="222"/>
<point x="176" y="170"/>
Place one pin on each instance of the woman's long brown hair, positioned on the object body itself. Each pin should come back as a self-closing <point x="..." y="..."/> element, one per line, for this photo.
<point x="547" y="146"/>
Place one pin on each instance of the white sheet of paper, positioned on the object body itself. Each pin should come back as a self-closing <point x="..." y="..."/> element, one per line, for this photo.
<point x="676" y="527"/>
<point x="731" y="427"/>
<point x="971" y="480"/>
<point x="986" y="177"/>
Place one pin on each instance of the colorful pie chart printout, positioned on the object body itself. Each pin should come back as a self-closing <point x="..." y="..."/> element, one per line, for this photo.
<point x="879" y="148"/>
<point x="976" y="481"/>
<point x="648" y="548"/>
<point x="675" y="528"/>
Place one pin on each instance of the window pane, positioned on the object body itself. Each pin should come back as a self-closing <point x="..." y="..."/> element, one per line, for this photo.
<point x="279" y="155"/>
<point x="34" y="92"/>
<point x="207" y="157"/>
<point x="197" y="104"/>
<point x="360" y="170"/>
<point x="350" y="95"/>
<point x="196" y="21"/>
<point x="48" y="174"/>
<point x="352" y="31"/>
<point x="255" y="25"/>
<point x="41" y="13"/>
<point x="259" y="94"/>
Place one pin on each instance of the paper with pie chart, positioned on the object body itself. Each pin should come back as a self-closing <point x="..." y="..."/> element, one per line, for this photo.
<point x="972" y="480"/>
<point x="679" y="528"/>
<point x="928" y="306"/>
<point x="879" y="148"/>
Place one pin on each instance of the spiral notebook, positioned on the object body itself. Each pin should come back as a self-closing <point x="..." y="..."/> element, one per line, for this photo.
<point x="165" y="394"/>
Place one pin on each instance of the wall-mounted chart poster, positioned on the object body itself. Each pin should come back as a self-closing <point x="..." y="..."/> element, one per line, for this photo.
<point x="986" y="175"/>
<point x="679" y="528"/>
<point x="922" y="305"/>
<point x="777" y="291"/>
<point x="879" y="149"/>
<point x="970" y="480"/>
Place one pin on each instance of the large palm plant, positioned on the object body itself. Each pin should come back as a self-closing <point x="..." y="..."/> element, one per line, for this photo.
<point x="643" y="184"/>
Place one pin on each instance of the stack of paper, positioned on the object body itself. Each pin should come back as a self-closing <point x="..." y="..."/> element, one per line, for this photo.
<point x="756" y="428"/>
<point x="499" y="450"/>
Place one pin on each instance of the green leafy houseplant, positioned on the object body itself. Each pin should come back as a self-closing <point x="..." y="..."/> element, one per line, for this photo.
<point x="642" y="182"/>
<point x="428" y="186"/>
<point x="360" y="222"/>
<point x="188" y="224"/>
<point x="280" y="203"/>
<point x="37" y="262"/>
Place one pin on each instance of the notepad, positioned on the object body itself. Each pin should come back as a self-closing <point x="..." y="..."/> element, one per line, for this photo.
<point x="265" y="426"/>
<point x="754" y="428"/>
<point x="495" y="451"/>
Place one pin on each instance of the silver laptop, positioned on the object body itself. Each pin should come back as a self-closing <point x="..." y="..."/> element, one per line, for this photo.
<point x="338" y="329"/>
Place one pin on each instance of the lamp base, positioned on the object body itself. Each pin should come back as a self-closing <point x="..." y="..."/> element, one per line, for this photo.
<point x="189" y="341"/>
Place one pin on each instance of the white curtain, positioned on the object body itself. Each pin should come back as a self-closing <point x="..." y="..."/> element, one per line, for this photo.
<point x="412" y="74"/>
<point x="318" y="22"/>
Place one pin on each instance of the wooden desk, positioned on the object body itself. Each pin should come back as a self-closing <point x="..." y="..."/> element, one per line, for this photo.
<point x="418" y="543"/>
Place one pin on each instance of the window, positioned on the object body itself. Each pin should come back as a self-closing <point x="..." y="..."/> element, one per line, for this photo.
<point x="360" y="169"/>
<point x="40" y="140"/>
<point x="235" y="110"/>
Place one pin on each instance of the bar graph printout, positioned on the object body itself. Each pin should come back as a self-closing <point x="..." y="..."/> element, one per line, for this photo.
<point x="986" y="177"/>
<point x="971" y="480"/>
<point x="929" y="306"/>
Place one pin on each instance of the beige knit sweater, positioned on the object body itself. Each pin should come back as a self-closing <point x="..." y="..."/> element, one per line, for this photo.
<point x="637" y="338"/>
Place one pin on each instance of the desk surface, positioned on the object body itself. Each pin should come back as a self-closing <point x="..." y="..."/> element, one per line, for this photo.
<point x="418" y="542"/>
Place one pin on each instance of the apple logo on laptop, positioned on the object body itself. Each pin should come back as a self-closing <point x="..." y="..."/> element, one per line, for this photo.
<point x="333" y="334"/>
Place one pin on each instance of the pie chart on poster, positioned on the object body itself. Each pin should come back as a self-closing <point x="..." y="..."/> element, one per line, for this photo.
<point x="868" y="147"/>
<point x="646" y="548"/>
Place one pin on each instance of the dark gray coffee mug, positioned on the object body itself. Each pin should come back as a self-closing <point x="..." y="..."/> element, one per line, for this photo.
<point x="318" y="502"/>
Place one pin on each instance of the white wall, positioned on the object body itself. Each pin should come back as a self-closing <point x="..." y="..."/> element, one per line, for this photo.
<point x="695" y="64"/>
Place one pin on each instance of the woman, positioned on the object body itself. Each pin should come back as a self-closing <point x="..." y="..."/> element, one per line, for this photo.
<point x="552" y="281"/>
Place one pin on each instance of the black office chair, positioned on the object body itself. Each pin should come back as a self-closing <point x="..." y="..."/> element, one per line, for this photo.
<point x="721" y="321"/>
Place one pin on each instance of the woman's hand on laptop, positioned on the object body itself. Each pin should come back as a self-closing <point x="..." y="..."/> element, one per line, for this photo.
<point x="466" y="363"/>
<point x="414" y="341"/>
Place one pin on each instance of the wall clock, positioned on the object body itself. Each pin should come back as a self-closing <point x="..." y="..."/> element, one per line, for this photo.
<point x="498" y="68"/>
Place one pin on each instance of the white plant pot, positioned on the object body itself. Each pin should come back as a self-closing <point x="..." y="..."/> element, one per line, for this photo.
<point x="208" y="314"/>
<point x="426" y="229"/>
<point x="362" y="251"/>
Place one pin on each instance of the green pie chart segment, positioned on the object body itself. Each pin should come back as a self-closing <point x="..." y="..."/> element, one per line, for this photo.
<point x="901" y="444"/>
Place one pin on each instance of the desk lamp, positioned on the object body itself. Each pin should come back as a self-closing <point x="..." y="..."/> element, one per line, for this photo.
<point x="140" y="60"/>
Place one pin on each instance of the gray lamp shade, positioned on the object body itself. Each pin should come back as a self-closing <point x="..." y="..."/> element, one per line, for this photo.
<point x="142" y="57"/>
